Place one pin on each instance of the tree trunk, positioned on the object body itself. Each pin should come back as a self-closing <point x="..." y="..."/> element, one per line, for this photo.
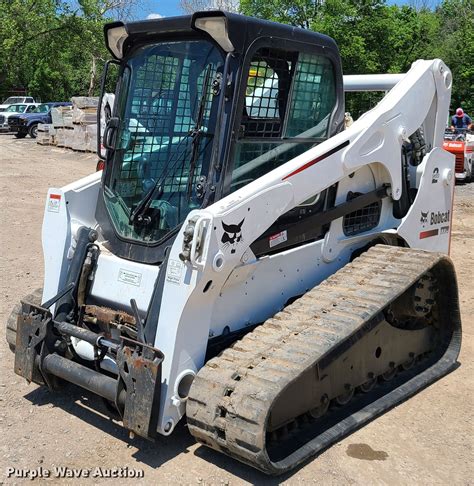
<point x="93" y="75"/>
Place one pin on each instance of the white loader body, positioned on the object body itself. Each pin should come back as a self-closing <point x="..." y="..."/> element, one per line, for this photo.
<point x="224" y="288"/>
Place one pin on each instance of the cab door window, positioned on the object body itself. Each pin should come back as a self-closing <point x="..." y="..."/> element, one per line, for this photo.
<point x="313" y="97"/>
<point x="289" y="99"/>
<point x="288" y="95"/>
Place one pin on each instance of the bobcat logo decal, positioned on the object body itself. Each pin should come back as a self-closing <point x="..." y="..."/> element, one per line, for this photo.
<point x="232" y="235"/>
<point x="424" y="217"/>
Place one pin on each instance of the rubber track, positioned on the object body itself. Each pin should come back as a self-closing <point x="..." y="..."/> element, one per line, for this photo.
<point x="231" y="396"/>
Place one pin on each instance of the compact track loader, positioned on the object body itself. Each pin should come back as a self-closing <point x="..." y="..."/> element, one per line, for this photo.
<point x="243" y="259"/>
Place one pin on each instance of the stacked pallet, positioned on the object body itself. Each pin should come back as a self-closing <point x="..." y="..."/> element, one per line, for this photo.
<point x="84" y="117"/>
<point x="62" y="124"/>
<point x="73" y="127"/>
<point x="91" y="138"/>
<point x="45" y="134"/>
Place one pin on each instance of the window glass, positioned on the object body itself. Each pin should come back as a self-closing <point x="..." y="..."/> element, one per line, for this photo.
<point x="42" y="109"/>
<point x="165" y="137"/>
<point x="255" y="159"/>
<point x="288" y="94"/>
<point x="15" y="108"/>
<point x="313" y="97"/>
<point x="261" y="100"/>
<point x="268" y="82"/>
<point x="13" y="99"/>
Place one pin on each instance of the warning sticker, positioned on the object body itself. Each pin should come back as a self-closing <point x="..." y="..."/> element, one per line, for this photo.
<point x="54" y="203"/>
<point x="277" y="239"/>
<point x="174" y="271"/>
<point x="130" y="278"/>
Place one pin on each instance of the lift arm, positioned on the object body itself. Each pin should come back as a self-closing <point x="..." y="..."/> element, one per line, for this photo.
<point x="217" y="239"/>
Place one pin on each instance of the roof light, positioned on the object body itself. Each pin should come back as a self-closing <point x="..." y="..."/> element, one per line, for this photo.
<point x="216" y="27"/>
<point x="116" y="36"/>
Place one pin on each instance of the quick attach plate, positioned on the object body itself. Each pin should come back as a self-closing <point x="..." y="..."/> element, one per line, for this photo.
<point x="33" y="325"/>
<point x="140" y="378"/>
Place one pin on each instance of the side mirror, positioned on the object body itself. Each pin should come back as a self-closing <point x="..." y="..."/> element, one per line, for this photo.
<point x="106" y="109"/>
<point x="109" y="140"/>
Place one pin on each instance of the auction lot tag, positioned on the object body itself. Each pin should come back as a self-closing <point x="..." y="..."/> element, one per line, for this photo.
<point x="54" y="203"/>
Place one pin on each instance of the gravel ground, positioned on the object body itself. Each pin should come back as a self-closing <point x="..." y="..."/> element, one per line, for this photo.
<point x="426" y="440"/>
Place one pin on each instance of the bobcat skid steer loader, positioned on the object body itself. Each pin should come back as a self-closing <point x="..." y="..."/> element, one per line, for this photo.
<point x="242" y="259"/>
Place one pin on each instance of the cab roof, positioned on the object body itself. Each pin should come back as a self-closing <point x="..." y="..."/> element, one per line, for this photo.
<point x="241" y="30"/>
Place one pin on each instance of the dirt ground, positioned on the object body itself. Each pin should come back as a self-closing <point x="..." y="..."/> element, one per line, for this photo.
<point x="427" y="440"/>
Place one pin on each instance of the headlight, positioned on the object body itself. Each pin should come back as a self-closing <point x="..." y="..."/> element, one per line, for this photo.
<point x="216" y="27"/>
<point x="116" y="36"/>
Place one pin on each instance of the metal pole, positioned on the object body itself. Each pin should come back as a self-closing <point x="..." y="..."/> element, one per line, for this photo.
<point x="80" y="375"/>
<point x="371" y="82"/>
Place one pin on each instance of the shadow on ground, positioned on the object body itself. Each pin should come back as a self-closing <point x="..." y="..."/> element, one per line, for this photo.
<point x="92" y="410"/>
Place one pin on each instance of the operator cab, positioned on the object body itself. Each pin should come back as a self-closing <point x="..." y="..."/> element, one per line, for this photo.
<point x="206" y="104"/>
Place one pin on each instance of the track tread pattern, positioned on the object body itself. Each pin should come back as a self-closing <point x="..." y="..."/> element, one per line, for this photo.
<point x="232" y="394"/>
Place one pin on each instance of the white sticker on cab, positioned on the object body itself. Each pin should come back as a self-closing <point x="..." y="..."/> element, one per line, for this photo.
<point x="130" y="278"/>
<point x="174" y="271"/>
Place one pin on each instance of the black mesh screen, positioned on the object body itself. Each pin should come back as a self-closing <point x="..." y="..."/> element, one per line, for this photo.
<point x="161" y="116"/>
<point x="164" y="141"/>
<point x="363" y="219"/>
<point x="313" y="96"/>
<point x="269" y="79"/>
<point x="288" y="94"/>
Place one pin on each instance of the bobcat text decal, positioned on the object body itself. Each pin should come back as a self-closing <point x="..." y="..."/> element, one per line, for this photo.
<point x="432" y="218"/>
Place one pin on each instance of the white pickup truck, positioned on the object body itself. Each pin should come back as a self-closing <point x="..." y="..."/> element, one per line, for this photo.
<point x="13" y="100"/>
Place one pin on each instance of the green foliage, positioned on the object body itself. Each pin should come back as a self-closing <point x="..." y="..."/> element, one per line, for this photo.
<point x="55" y="49"/>
<point x="455" y="45"/>
<point x="48" y="49"/>
<point x="374" y="37"/>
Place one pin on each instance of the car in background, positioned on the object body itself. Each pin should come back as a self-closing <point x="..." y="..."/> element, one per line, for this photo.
<point x="27" y="123"/>
<point x="15" y="109"/>
<point x="14" y="100"/>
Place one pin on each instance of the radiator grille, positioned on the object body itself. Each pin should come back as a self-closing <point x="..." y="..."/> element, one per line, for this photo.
<point x="459" y="162"/>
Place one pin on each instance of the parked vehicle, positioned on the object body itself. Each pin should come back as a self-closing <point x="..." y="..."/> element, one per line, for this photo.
<point x="461" y="144"/>
<point x="276" y="278"/>
<point x="27" y="123"/>
<point x="16" y="109"/>
<point x="12" y="100"/>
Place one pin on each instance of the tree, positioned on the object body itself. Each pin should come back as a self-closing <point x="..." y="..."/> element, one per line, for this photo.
<point x="191" y="6"/>
<point x="374" y="37"/>
<point x="455" y="45"/>
<point x="54" y="49"/>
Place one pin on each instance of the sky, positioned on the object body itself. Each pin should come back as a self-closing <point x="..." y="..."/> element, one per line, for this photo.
<point x="165" y="8"/>
<point x="169" y="8"/>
